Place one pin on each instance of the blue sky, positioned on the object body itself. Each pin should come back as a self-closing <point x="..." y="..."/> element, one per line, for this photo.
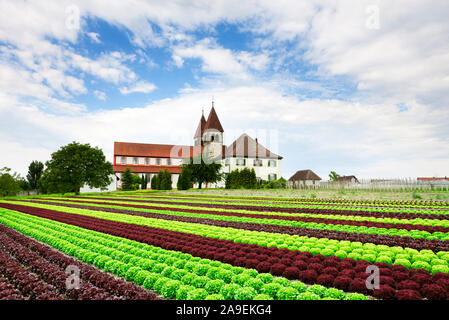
<point x="359" y="87"/>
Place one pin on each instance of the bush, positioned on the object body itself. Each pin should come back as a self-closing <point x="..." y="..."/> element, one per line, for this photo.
<point x="165" y="180"/>
<point x="238" y="179"/>
<point x="155" y="184"/>
<point x="185" y="179"/>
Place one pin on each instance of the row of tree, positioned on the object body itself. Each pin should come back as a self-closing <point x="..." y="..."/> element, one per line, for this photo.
<point x="161" y="181"/>
<point x="239" y="179"/>
<point x="68" y="170"/>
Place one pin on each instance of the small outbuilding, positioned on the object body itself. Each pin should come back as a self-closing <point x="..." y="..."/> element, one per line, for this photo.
<point x="304" y="178"/>
<point x="347" y="179"/>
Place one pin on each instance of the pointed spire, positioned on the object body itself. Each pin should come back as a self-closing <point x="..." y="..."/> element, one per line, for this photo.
<point x="213" y="122"/>
<point x="201" y="125"/>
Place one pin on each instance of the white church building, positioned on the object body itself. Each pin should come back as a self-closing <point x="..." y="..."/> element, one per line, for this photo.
<point x="244" y="152"/>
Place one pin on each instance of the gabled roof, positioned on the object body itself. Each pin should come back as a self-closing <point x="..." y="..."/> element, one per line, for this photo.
<point x="432" y="178"/>
<point x="200" y="129"/>
<point x="347" y="178"/>
<point x="213" y="122"/>
<point x="302" y="175"/>
<point x="247" y="147"/>
<point x="154" y="150"/>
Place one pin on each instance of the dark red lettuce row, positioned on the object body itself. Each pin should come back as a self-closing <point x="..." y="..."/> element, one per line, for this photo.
<point x="397" y="282"/>
<point x="426" y="204"/>
<point x="303" y="219"/>
<point x="419" y="244"/>
<point x="50" y="263"/>
<point x="8" y="292"/>
<point x="372" y="213"/>
<point x="25" y="281"/>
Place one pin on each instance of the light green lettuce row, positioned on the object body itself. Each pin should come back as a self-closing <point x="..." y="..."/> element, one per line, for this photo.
<point x="417" y="234"/>
<point x="383" y="203"/>
<point x="170" y="273"/>
<point x="275" y="205"/>
<point x="409" y="257"/>
<point x="417" y="221"/>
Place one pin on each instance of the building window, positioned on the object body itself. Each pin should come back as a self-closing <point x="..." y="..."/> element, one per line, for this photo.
<point x="258" y="163"/>
<point x="135" y="161"/>
<point x="158" y="162"/>
<point x="241" y="162"/>
<point x="147" y="161"/>
<point x="168" y="162"/>
<point x="123" y="160"/>
<point x="272" y="176"/>
<point x="272" y="163"/>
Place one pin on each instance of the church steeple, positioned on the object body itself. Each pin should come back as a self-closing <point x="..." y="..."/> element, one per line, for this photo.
<point x="213" y="122"/>
<point x="199" y="131"/>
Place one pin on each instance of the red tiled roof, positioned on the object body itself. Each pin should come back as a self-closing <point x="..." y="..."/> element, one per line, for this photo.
<point x="213" y="122"/>
<point x="245" y="146"/>
<point x="432" y="178"/>
<point x="154" y="150"/>
<point x="147" y="169"/>
<point x="302" y="175"/>
<point x="200" y="129"/>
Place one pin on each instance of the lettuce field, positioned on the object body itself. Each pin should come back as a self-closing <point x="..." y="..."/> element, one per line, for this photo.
<point x="151" y="246"/>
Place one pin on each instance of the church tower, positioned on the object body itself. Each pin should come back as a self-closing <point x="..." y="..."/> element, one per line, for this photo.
<point x="212" y="136"/>
<point x="198" y="138"/>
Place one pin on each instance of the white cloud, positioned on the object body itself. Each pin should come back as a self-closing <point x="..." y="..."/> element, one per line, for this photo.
<point x="95" y="37"/>
<point x="218" y="60"/>
<point x="141" y="86"/>
<point x="100" y="95"/>
<point x="366" y="137"/>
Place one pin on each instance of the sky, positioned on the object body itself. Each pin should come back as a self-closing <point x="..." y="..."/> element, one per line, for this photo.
<point x="360" y="87"/>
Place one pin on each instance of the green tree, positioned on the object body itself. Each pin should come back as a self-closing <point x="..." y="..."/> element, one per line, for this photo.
<point x="333" y="176"/>
<point x="144" y="182"/>
<point x="202" y="171"/>
<point x="9" y="185"/>
<point x="155" y="182"/>
<point x="76" y="165"/>
<point x="136" y="181"/>
<point x="185" y="179"/>
<point x="244" y="178"/>
<point x="35" y="170"/>
<point x="127" y="180"/>
<point x="165" y="181"/>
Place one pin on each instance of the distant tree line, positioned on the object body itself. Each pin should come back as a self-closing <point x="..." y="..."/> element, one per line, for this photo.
<point x="68" y="170"/>
<point x="246" y="179"/>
